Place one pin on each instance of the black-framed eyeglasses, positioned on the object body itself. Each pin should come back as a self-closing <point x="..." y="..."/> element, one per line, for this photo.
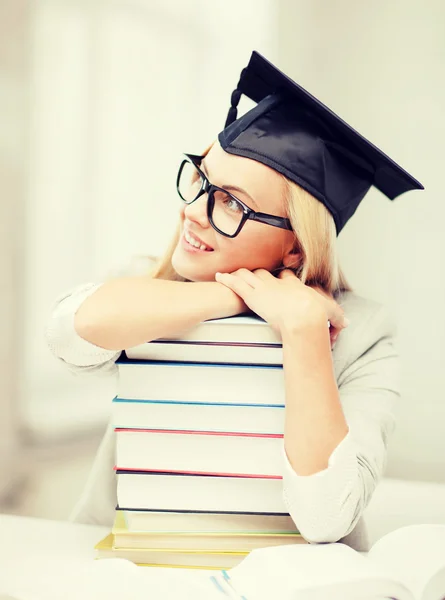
<point x="226" y="213"/>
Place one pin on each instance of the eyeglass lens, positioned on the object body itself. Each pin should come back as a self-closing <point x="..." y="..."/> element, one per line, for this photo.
<point x="227" y="212"/>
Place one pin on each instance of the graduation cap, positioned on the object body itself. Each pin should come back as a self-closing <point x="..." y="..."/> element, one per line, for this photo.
<point x="295" y="134"/>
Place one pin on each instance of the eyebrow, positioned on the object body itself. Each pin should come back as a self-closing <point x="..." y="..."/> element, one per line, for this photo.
<point x="230" y="187"/>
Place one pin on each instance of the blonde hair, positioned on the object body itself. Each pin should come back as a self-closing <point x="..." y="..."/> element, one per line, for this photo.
<point x="315" y="240"/>
<point x="315" y="249"/>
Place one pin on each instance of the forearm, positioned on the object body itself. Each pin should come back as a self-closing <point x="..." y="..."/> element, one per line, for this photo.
<point x="328" y="504"/>
<point x="128" y="311"/>
<point x="314" y="419"/>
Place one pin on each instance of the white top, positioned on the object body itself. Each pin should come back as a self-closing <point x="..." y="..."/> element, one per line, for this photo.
<point x="326" y="506"/>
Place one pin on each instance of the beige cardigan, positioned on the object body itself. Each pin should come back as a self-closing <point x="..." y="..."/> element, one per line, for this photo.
<point x="326" y="506"/>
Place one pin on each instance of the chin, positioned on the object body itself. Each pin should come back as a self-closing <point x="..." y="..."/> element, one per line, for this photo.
<point x="183" y="269"/>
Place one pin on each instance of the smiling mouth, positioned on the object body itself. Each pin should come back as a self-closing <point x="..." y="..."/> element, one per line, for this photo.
<point x="194" y="243"/>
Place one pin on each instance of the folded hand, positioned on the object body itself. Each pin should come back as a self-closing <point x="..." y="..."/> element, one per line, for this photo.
<point x="285" y="302"/>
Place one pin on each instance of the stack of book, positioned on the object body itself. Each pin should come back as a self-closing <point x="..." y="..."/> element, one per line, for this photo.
<point x="199" y="426"/>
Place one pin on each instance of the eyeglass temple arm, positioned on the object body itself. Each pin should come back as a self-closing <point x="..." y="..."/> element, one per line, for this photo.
<point x="270" y="220"/>
<point x="195" y="157"/>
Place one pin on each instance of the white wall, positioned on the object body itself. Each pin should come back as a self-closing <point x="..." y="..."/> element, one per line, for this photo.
<point x="381" y="66"/>
<point x="120" y="89"/>
<point x="14" y="120"/>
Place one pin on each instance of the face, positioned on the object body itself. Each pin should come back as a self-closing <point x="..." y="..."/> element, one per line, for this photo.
<point x="257" y="245"/>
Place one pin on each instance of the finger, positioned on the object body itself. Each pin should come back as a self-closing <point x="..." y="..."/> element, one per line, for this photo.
<point x="335" y="312"/>
<point x="263" y="274"/>
<point x="333" y="334"/>
<point x="247" y="276"/>
<point x="235" y="283"/>
<point x="286" y="273"/>
<point x="334" y="337"/>
<point x="337" y="317"/>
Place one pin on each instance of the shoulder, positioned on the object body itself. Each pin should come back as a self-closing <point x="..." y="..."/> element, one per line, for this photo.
<point x="367" y="316"/>
<point x="372" y="331"/>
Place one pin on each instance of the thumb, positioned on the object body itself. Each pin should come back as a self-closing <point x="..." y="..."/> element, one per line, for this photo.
<point x="338" y="319"/>
<point x="286" y="273"/>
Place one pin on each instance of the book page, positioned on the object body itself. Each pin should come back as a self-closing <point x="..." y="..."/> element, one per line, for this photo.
<point x="332" y="571"/>
<point x="58" y="577"/>
<point x="118" y="579"/>
<point x="416" y="556"/>
<point x="315" y="571"/>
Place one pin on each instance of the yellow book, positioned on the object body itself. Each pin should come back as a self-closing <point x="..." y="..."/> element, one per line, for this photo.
<point x="199" y="541"/>
<point x="169" y="557"/>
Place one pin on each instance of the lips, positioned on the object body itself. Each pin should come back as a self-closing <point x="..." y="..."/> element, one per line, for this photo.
<point x="198" y="239"/>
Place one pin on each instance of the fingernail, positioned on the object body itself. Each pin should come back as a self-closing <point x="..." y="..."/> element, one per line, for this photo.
<point x="346" y="322"/>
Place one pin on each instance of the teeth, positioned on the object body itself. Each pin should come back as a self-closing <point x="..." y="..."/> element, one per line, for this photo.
<point x="194" y="242"/>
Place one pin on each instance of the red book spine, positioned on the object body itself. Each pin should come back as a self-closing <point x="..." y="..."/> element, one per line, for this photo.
<point x="217" y="433"/>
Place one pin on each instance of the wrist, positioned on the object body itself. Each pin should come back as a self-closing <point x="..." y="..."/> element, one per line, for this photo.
<point x="224" y="301"/>
<point x="312" y="324"/>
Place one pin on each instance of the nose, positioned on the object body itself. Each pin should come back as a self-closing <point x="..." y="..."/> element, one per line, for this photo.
<point x="197" y="211"/>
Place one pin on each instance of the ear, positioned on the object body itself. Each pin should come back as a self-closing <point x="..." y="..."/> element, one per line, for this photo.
<point x="292" y="258"/>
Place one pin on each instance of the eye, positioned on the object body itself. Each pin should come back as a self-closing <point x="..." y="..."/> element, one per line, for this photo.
<point x="232" y="205"/>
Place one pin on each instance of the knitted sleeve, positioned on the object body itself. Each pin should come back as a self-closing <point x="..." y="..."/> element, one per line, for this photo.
<point x="67" y="345"/>
<point x="327" y="505"/>
<point x="76" y="353"/>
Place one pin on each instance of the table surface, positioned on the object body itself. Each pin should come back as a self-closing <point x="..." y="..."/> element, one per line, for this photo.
<point x="38" y="554"/>
<point x="43" y="560"/>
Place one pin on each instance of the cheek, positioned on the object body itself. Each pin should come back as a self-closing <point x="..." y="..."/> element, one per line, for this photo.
<point x="252" y="251"/>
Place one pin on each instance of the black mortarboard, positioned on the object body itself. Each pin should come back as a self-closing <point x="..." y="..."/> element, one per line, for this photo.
<point x="294" y="133"/>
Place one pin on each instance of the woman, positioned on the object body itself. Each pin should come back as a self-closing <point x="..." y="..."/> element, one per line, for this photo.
<point x="257" y="231"/>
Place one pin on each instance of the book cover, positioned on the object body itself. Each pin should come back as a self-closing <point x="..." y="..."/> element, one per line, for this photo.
<point x="210" y="493"/>
<point x="206" y="521"/>
<point x="204" y="352"/>
<point x="202" y="452"/>
<point x="169" y="557"/>
<point x="204" y="382"/>
<point x="202" y="416"/>
<point x="217" y="541"/>
<point x="248" y="329"/>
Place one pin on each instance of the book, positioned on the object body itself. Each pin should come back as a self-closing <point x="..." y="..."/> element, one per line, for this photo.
<point x="205" y="521"/>
<point x="215" y="541"/>
<point x="204" y="352"/>
<point x="211" y="452"/>
<point x="405" y="564"/>
<point x="203" y="382"/>
<point x="202" y="416"/>
<point x="169" y="491"/>
<point x="169" y="557"/>
<point x="239" y="329"/>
